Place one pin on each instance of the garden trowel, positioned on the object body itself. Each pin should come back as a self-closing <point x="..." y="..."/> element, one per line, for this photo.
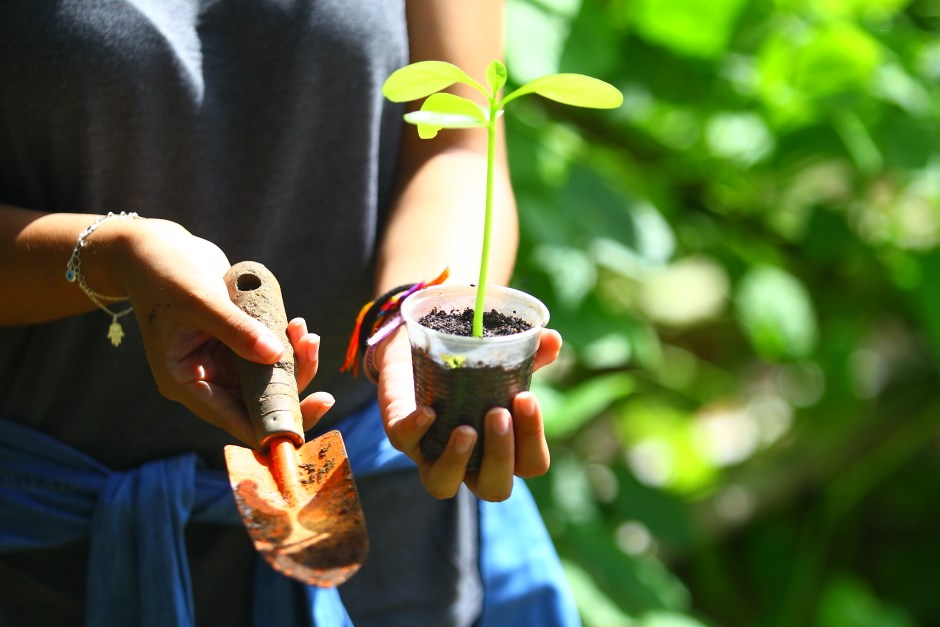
<point x="298" y="500"/>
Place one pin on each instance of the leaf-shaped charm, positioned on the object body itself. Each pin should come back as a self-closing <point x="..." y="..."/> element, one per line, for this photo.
<point x="116" y="333"/>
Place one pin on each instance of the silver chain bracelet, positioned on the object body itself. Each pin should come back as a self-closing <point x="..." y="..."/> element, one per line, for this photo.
<point x="73" y="274"/>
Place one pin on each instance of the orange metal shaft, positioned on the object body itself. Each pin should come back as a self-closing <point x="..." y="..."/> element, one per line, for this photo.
<point x="284" y="468"/>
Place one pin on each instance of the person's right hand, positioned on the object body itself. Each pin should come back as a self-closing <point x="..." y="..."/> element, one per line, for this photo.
<point x="190" y="327"/>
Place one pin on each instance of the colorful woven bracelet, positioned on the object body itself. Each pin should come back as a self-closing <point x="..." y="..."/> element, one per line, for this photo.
<point x="376" y="321"/>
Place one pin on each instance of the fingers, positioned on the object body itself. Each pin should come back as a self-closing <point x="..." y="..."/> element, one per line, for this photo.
<point x="219" y="406"/>
<point x="549" y="347"/>
<point x="203" y="379"/>
<point x="306" y="351"/>
<point x="247" y="337"/>
<point x="532" y="457"/>
<point x="314" y="407"/>
<point x="494" y="480"/>
<point x="406" y="430"/>
<point x="397" y="395"/>
<point x="509" y="448"/>
<point x="514" y="444"/>
<point x="442" y="479"/>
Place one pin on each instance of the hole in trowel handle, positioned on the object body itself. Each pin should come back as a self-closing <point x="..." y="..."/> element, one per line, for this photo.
<point x="247" y="282"/>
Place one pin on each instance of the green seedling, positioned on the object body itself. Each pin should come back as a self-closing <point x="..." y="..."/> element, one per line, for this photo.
<point x="440" y="110"/>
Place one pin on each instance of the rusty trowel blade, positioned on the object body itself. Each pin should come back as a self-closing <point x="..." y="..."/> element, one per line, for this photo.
<point x="319" y="537"/>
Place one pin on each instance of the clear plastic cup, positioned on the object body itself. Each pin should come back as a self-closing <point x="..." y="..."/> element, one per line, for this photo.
<point x="460" y="377"/>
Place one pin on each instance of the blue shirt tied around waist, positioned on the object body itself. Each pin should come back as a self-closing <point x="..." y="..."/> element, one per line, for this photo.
<point x="52" y="494"/>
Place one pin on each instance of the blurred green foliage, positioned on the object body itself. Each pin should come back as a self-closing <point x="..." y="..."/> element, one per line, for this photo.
<point x="745" y="417"/>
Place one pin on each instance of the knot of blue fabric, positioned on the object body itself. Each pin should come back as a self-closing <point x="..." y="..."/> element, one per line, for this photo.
<point x="51" y="494"/>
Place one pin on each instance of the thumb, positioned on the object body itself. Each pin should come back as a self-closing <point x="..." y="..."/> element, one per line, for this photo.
<point x="247" y="337"/>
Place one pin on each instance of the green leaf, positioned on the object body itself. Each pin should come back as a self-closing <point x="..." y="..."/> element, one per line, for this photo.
<point x="445" y="111"/>
<point x="572" y="89"/>
<point x="584" y="402"/>
<point x="596" y="606"/>
<point x="447" y="104"/>
<point x="423" y="79"/>
<point x="847" y="600"/>
<point x="668" y="619"/>
<point x="695" y="28"/>
<point x="840" y="57"/>
<point x="543" y="22"/>
<point x="802" y="66"/>
<point x="845" y="9"/>
<point x="776" y="312"/>
<point x="496" y="76"/>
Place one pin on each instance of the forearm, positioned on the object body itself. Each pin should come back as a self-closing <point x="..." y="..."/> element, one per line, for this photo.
<point x="34" y="250"/>
<point x="437" y="219"/>
<point x="437" y="222"/>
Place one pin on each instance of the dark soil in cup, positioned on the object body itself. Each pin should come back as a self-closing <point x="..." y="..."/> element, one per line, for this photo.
<point x="461" y="322"/>
<point x="462" y="395"/>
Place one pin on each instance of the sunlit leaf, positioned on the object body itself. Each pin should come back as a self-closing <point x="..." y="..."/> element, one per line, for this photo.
<point x="662" y="449"/>
<point x="584" y="402"/>
<point x="700" y="28"/>
<point x="636" y="583"/>
<point x="496" y="75"/>
<point x="875" y="9"/>
<point x="423" y="79"/>
<point x="528" y="22"/>
<point x="839" y="57"/>
<point x="667" y="619"/>
<point x="810" y="63"/>
<point x="593" y="46"/>
<point x="740" y="136"/>
<point x="848" y="601"/>
<point x="573" y="89"/>
<point x="449" y="104"/>
<point x="596" y="607"/>
<point x="776" y="313"/>
<point x="445" y="111"/>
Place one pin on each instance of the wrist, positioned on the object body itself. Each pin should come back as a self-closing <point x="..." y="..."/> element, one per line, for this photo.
<point x="391" y="348"/>
<point x="377" y="321"/>
<point x="106" y="251"/>
<point x="75" y="273"/>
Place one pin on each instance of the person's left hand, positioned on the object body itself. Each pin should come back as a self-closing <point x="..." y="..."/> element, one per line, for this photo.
<point x="514" y="443"/>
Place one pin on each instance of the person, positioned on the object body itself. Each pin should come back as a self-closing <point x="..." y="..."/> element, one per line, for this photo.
<point x="145" y="147"/>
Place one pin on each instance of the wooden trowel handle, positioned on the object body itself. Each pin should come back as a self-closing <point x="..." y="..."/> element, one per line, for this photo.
<point x="270" y="391"/>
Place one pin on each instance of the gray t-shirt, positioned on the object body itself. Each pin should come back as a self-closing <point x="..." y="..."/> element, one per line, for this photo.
<point x="259" y="126"/>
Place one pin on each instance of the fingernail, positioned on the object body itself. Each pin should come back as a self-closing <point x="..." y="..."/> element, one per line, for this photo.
<point x="527" y="405"/>
<point x="325" y="406"/>
<point x="425" y="416"/>
<point x="268" y="347"/>
<point x="313" y="347"/>
<point x="499" y="421"/>
<point x="464" y="441"/>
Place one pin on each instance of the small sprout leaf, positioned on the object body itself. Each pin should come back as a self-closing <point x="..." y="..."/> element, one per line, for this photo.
<point x="496" y="75"/>
<point x="454" y="361"/>
<point x="423" y="79"/>
<point x="449" y="103"/>
<point x="441" y="120"/>
<point x="428" y="131"/>
<point x="445" y="111"/>
<point x="572" y="89"/>
<point x="430" y="122"/>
